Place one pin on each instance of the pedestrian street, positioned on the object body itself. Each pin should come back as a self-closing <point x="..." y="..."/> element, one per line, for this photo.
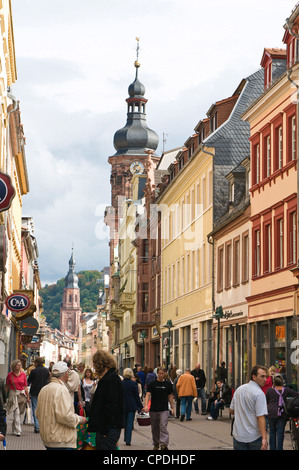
<point x="198" y="434"/>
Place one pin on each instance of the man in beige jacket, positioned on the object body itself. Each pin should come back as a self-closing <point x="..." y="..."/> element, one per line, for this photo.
<point x="187" y="391"/>
<point x="55" y="412"/>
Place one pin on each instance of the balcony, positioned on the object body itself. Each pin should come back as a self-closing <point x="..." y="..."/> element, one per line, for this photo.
<point x="127" y="300"/>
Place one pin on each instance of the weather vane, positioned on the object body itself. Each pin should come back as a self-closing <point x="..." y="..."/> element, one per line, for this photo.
<point x="137" y="63"/>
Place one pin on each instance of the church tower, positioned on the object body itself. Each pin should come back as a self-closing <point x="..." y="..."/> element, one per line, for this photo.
<point x="132" y="144"/>
<point x="70" y="310"/>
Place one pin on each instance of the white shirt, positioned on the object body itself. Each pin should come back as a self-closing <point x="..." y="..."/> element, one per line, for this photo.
<point x="249" y="402"/>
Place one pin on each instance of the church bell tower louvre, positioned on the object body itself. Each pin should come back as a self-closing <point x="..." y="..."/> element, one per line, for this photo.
<point x="70" y="310"/>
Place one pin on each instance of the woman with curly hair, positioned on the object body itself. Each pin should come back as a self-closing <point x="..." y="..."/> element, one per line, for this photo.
<point x="107" y="408"/>
<point x="87" y="384"/>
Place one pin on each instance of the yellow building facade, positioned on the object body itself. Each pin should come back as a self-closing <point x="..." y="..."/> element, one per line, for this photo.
<point x="186" y="262"/>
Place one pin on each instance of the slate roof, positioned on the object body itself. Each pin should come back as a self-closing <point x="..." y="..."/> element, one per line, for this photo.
<point x="231" y="140"/>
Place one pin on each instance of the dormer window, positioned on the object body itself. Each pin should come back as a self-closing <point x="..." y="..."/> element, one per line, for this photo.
<point x="214" y="122"/>
<point x="231" y="191"/>
<point x="273" y="63"/>
<point x="292" y="48"/>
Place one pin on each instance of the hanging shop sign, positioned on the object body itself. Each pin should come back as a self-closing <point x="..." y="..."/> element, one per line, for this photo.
<point x="29" y="326"/>
<point x="17" y="302"/>
<point x="21" y="304"/>
<point x="7" y="192"/>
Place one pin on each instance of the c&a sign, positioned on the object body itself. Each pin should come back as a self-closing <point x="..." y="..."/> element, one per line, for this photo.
<point x="17" y="302"/>
<point x="21" y="304"/>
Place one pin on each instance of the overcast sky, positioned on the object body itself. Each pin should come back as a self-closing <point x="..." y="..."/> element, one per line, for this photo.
<point x="75" y="61"/>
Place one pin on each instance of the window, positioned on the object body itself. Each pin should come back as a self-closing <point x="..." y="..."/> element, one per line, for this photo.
<point x="220" y="269"/>
<point x="228" y="265"/>
<point x="245" y="257"/>
<point x="256" y="156"/>
<point x="236" y="271"/>
<point x="266" y="154"/>
<point x="267" y="248"/>
<point x="256" y="252"/>
<point x="293" y="134"/>
<point x="144" y="301"/>
<point x="279" y="243"/>
<point x="278" y="145"/>
<point x="292" y="238"/>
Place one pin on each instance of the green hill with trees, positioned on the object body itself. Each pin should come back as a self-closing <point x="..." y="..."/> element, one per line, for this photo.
<point x="89" y="284"/>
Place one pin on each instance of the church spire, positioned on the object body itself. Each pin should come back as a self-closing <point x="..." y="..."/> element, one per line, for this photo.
<point x="135" y="136"/>
<point x="71" y="280"/>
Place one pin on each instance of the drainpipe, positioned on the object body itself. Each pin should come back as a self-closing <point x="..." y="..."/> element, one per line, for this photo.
<point x="289" y="72"/>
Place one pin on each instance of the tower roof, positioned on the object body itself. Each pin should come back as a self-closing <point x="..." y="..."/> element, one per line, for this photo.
<point x="135" y="136"/>
<point x="71" y="280"/>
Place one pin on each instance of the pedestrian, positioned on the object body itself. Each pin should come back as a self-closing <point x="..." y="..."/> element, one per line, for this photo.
<point x="160" y="394"/>
<point x="86" y="387"/>
<point x="38" y="378"/>
<point x="55" y="412"/>
<point x="132" y="403"/>
<point x="81" y="370"/>
<point x="276" y="397"/>
<point x="283" y="373"/>
<point x="3" y="425"/>
<point x="200" y="380"/>
<point x="172" y="372"/>
<point x="74" y="385"/>
<point x="249" y="407"/>
<point x="107" y="407"/>
<point x="175" y="393"/>
<point x="149" y="377"/>
<point x="223" y="397"/>
<point x="187" y="391"/>
<point x="270" y="378"/>
<point x="223" y="372"/>
<point x="139" y="385"/>
<point x="16" y="385"/>
<point x="3" y="397"/>
<point x="142" y="377"/>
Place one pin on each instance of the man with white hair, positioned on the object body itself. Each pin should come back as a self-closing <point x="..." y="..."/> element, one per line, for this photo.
<point x="55" y="412"/>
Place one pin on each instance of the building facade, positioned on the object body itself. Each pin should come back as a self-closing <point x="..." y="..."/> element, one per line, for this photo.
<point x="272" y="304"/>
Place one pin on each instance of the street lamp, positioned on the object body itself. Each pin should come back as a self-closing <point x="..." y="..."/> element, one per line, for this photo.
<point x="143" y="336"/>
<point x="168" y="325"/>
<point x="126" y="352"/>
<point x="218" y="315"/>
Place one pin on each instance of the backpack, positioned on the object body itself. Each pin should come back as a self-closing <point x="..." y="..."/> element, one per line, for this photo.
<point x="291" y="407"/>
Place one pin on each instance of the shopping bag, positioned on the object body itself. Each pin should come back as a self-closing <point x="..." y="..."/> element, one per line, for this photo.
<point x="28" y="414"/>
<point x="81" y="431"/>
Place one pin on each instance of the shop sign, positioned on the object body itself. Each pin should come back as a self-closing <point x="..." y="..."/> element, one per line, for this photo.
<point x="7" y="192"/>
<point x="29" y="326"/>
<point x="17" y="302"/>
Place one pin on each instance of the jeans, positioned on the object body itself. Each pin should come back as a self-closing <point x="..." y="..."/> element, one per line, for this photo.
<point x="276" y="433"/>
<point x="129" y="421"/>
<point x="109" y="441"/>
<point x="186" y="406"/>
<point x="254" y="445"/>
<point x="215" y="407"/>
<point x="34" y="404"/>
<point x="201" y="394"/>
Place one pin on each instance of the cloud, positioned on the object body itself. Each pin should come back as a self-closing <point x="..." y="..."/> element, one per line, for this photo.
<point x="75" y="61"/>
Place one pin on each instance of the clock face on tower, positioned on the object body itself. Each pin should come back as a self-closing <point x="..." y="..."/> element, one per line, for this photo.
<point x="136" y="168"/>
